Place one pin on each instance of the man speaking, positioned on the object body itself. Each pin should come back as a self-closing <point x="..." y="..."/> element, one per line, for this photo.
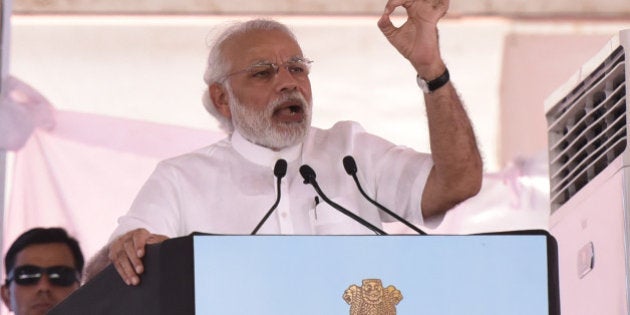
<point x="259" y="89"/>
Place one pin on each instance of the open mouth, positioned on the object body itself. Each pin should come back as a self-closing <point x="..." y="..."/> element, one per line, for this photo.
<point x="289" y="112"/>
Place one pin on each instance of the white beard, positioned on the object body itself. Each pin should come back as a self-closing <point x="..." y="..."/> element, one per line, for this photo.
<point x="258" y="127"/>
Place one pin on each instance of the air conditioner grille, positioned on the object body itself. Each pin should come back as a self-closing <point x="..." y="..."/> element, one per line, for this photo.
<point x="587" y="129"/>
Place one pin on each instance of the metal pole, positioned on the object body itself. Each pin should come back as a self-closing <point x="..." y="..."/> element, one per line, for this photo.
<point x="5" y="26"/>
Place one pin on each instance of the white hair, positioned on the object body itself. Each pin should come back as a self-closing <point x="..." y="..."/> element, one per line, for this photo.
<point x="218" y="66"/>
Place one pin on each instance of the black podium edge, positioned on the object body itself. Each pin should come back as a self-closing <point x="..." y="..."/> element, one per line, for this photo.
<point x="553" y="273"/>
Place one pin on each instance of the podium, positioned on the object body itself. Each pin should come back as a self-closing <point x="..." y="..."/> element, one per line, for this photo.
<point x="497" y="273"/>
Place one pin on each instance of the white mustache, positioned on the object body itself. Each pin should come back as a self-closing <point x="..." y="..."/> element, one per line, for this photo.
<point x="294" y="97"/>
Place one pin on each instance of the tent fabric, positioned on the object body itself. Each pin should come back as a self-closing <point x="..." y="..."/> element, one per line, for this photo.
<point x="22" y="110"/>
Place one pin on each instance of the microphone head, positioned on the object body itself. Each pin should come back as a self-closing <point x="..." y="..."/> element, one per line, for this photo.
<point x="350" y="165"/>
<point x="280" y="169"/>
<point x="307" y="173"/>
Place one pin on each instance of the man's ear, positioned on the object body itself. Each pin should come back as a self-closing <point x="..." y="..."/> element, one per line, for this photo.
<point x="220" y="99"/>
<point x="6" y="296"/>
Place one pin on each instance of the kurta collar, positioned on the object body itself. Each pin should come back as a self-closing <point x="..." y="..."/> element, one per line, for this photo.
<point x="261" y="155"/>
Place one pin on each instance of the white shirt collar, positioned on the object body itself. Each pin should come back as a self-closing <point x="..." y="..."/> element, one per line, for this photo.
<point x="261" y="155"/>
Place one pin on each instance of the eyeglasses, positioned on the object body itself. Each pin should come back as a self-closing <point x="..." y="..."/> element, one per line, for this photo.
<point x="264" y="71"/>
<point x="62" y="276"/>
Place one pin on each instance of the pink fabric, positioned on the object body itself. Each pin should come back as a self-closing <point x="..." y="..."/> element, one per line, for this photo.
<point x="22" y="109"/>
<point x="84" y="173"/>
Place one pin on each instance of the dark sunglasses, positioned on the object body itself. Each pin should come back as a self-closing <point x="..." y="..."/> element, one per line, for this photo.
<point x="62" y="276"/>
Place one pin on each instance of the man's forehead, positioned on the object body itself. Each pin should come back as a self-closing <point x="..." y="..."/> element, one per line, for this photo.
<point x="48" y="254"/>
<point x="261" y="45"/>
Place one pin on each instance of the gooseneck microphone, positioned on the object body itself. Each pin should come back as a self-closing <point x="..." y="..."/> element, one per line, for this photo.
<point x="279" y="170"/>
<point x="351" y="168"/>
<point x="309" y="178"/>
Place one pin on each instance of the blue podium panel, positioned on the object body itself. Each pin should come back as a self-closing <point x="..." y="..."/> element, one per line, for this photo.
<point x="285" y="275"/>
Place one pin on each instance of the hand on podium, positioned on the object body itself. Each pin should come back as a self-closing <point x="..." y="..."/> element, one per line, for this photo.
<point x="126" y="253"/>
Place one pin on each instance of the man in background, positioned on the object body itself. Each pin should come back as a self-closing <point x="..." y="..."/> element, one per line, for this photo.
<point x="43" y="266"/>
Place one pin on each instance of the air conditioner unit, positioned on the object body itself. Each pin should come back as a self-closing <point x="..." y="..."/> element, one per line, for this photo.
<point x="590" y="183"/>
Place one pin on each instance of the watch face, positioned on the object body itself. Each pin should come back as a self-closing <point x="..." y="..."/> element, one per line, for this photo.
<point x="430" y="86"/>
<point x="422" y="84"/>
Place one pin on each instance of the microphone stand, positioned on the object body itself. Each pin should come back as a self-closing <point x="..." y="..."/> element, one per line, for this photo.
<point x="309" y="178"/>
<point x="279" y="170"/>
<point x="351" y="168"/>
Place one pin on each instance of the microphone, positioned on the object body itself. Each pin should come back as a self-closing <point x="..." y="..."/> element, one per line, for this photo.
<point x="351" y="168"/>
<point x="309" y="178"/>
<point x="279" y="170"/>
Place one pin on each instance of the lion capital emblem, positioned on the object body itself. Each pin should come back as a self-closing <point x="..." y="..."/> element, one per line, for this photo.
<point x="372" y="299"/>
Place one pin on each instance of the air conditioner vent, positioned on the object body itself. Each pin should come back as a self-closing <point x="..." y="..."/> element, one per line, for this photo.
<point x="587" y="129"/>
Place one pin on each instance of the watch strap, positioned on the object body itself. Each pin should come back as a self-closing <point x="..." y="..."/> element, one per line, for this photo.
<point x="430" y="86"/>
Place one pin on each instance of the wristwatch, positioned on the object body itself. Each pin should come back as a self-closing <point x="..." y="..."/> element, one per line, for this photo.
<point x="430" y="86"/>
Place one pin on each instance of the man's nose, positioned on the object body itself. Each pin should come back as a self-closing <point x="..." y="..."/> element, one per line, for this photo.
<point x="285" y="80"/>
<point x="44" y="283"/>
